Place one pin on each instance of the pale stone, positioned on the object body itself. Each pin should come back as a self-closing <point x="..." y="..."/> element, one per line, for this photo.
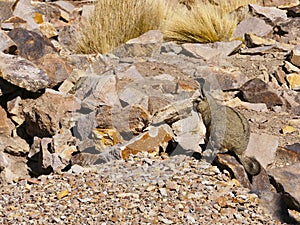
<point x="263" y="148"/>
<point x="294" y="80"/>
<point x="295" y="57"/>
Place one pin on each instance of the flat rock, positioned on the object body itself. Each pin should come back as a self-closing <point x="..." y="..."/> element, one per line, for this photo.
<point x="288" y="178"/>
<point x="22" y="73"/>
<point x="31" y="45"/>
<point x="210" y="50"/>
<point x="265" y="151"/>
<point x="148" y="44"/>
<point x="271" y="14"/>
<point x="252" y="25"/>
<point x="254" y="41"/>
<point x="257" y="91"/>
<point x="222" y="79"/>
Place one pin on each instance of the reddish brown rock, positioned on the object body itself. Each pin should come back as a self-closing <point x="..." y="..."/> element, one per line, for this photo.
<point x="46" y="115"/>
<point x="232" y="165"/>
<point x="31" y="45"/>
<point x="257" y="91"/>
<point x="139" y="119"/>
<point x="56" y="68"/>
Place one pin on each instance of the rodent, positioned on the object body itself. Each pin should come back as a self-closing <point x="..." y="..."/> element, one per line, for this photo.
<point x="227" y="130"/>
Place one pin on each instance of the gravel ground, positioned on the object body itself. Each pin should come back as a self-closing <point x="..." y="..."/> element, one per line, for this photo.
<point x="142" y="190"/>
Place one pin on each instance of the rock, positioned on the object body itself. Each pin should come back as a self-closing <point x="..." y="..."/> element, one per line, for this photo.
<point x="190" y="133"/>
<point x="288" y="32"/>
<point x="294" y="11"/>
<point x="295" y="57"/>
<point x="56" y="68"/>
<point x="5" y="10"/>
<point x="290" y="68"/>
<point x="280" y="76"/>
<point x="148" y="44"/>
<point x="257" y="91"/>
<point x="236" y="102"/>
<point x="210" y="50"/>
<point x="270" y="14"/>
<point x="254" y="41"/>
<point x="171" y="47"/>
<point x="222" y="79"/>
<point x="265" y="151"/>
<point x="252" y="25"/>
<point x="15" y="146"/>
<point x="66" y="37"/>
<point x="14" y="22"/>
<point x="6" y="44"/>
<point x="24" y="9"/>
<point x="287" y="155"/>
<point x="138" y="119"/>
<point x="48" y="30"/>
<point x="288" y="129"/>
<point x="173" y="112"/>
<point x="287" y="181"/>
<point x="230" y="163"/>
<point x="22" y="73"/>
<point x="49" y="113"/>
<point x="153" y="141"/>
<point x="6" y="125"/>
<point x="31" y="45"/>
<point x="280" y="3"/>
<point x="294" y="81"/>
<point x="104" y="138"/>
<point x="15" y="168"/>
<point x="94" y="89"/>
<point x="14" y="108"/>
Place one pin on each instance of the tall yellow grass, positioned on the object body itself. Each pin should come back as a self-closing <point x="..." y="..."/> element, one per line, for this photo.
<point x="207" y="21"/>
<point x="116" y="21"/>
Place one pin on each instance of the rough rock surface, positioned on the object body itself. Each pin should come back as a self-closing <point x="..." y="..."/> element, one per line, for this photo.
<point x="129" y="119"/>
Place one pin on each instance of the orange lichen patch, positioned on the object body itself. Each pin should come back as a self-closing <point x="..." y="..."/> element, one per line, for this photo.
<point x="147" y="142"/>
<point x="105" y="137"/>
<point x="38" y="18"/>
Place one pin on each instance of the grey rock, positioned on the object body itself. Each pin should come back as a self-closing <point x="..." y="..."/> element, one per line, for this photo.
<point x="208" y="51"/>
<point x="270" y="14"/>
<point x="287" y="182"/>
<point x="265" y="151"/>
<point x="24" y="9"/>
<point x="252" y="25"/>
<point x="22" y="73"/>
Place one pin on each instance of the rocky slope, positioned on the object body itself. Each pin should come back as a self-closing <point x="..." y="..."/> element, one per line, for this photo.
<point x="110" y="138"/>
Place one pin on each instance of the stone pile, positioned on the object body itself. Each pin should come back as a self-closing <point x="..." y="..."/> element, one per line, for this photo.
<point x="60" y="109"/>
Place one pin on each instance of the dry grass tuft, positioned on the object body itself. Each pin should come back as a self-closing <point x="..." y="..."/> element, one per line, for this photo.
<point x="207" y="21"/>
<point x="116" y="21"/>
